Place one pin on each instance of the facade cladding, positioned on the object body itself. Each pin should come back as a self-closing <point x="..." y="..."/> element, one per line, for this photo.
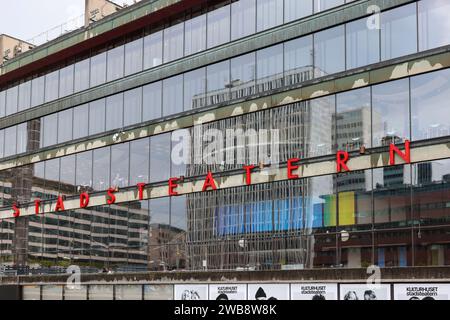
<point x="388" y="216"/>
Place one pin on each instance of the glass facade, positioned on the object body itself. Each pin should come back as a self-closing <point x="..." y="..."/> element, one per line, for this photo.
<point x="404" y="30"/>
<point x="392" y="216"/>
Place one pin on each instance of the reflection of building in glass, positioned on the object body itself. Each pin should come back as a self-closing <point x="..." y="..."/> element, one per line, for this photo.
<point x="105" y="113"/>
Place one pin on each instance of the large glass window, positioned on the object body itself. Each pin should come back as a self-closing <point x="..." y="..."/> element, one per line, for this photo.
<point x="173" y="42"/>
<point x="2" y="103"/>
<point x="217" y="82"/>
<point x="329" y="51"/>
<point x="398" y="32"/>
<point x="178" y="218"/>
<point x="51" y="86"/>
<point x="81" y="80"/>
<point x="392" y="196"/>
<point x="321" y="115"/>
<point x="98" y="69"/>
<point x="65" y="120"/>
<point x="10" y="141"/>
<point x="430" y="115"/>
<point x="160" y="157"/>
<point x="139" y="161"/>
<point x="66" y="77"/>
<point x="194" y="89"/>
<point x="363" y="44"/>
<point x="159" y="221"/>
<point x="101" y="169"/>
<point x="390" y="112"/>
<point x="294" y="9"/>
<point x="133" y="106"/>
<point x="434" y="26"/>
<point x="269" y="13"/>
<point x="114" y="116"/>
<point x="195" y="35"/>
<point x="152" y="101"/>
<point x="116" y="61"/>
<point x="120" y="158"/>
<point x="298" y="60"/>
<point x="269" y="68"/>
<point x="50" y="125"/>
<point x="67" y="174"/>
<point x="133" y="56"/>
<point x="173" y="95"/>
<point x="353" y="119"/>
<point x="322" y="5"/>
<point x="243" y="75"/>
<point x="2" y="143"/>
<point x="97" y="116"/>
<point x="24" y="96"/>
<point x="153" y="48"/>
<point x="22" y="138"/>
<point x="81" y="121"/>
<point x="431" y="194"/>
<point x="84" y="170"/>
<point x="218" y="26"/>
<point x="37" y="91"/>
<point x="180" y="156"/>
<point x="12" y="96"/>
<point x="243" y="18"/>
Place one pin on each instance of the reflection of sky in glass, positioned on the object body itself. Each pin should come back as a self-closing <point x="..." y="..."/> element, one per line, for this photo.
<point x="430" y="95"/>
<point x="434" y="23"/>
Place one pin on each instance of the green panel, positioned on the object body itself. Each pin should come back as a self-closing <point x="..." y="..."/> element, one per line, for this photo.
<point x="329" y="214"/>
<point x="121" y="20"/>
<point x="12" y="66"/>
<point x="39" y="54"/>
<point x="26" y="60"/>
<point x="101" y="28"/>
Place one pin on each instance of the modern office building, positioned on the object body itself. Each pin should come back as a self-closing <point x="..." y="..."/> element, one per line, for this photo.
<point x="94" y="123"/>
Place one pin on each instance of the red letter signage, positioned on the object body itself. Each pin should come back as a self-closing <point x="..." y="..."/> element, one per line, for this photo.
<point x="141" y="187"/>
<point x="16" y="213"/>
<point x="37" y="205"/>
<point x="84" y="200"/>
<point x="111" y="196"/>
<point x="209" y="182"/>
<point x="172" y="186"/>
<point x="405" y="156"/>
<point x="59" y="204"/>
<point x="341" y="161"/>
<point x="248" y="174"/>
<point x="291" y="167"/>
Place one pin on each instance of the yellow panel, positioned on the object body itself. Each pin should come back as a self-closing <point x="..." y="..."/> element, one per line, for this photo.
<point x="346" y="208"/>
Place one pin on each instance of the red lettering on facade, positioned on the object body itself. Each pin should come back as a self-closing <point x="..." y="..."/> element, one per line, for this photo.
<point x="291" y="166"/>
<point x="84" y="200"/>
<point x="341" y="161"/>
<point x="59" y="204"/>
<point x="173" y="184"/>
<point x="16" y="210"/>
<point x="141" y="187"/>
<point x="37" y="205"/>
<point x="111" y="197"/>
<point x="248" y="174"/>
<point x="406" y="156"/>
<point x="209" y="182"/>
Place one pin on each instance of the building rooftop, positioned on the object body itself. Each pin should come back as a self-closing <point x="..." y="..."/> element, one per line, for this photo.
<point x="68" y="39"/>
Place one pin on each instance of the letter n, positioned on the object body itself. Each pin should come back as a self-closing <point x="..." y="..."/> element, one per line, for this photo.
<point x="406" y="156"/>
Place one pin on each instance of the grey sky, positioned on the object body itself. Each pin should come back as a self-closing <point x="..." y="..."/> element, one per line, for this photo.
<point x="26" y="19"/>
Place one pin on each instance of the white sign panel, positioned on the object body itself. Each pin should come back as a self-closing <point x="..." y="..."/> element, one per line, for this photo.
<point x="314" y="291"/>
<point x="228" y="292"/>
<point x="268" y="292"/>
<point x="420" y="291"/>
<point x="191" y="292"/>
<point x="365" y="292"/>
